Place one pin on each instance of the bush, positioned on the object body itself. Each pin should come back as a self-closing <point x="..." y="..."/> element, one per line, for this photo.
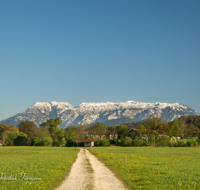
<point x="191" y="142"/>
<point x="113" y="142"/>
<point x="173" y="142"/>
<point x="181" y="143"/>
<point x="105" y="142"/>
<point x="102" y="143"/>
<point x="138" y="142"/>
<point x="47" y="141"/>
<point x="145" y="142"/>
<point x="127" y="141"/>
<point x="21" y="139"/>
<point x="194" y="142"/>
<point x="163" y="141"/>
<point x="34" y="141"/>
<point x="70" y="143"/>
<point x="118" y="143"/>
<point x="198" y="140"/>
<point x="56" y="143"/>
<point x="98" y="143"/>
<point x="11" y="136"/>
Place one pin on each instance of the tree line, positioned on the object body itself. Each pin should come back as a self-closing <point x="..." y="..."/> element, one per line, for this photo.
<point x="152" y="131"/>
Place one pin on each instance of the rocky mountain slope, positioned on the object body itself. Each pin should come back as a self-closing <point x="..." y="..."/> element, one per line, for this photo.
<point x="99" y="112"/>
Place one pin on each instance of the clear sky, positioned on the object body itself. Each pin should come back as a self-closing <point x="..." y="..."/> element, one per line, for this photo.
<point x="98" y="51"/>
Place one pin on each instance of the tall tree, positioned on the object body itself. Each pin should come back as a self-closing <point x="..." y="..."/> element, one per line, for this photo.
<point x="29" y="128"/>
<point x="183" y="126"/>
<point x="52" y="125"/>
<point x="192" y="131"/>
<point x="157" y="124"/>
<point x="80" y="133"/>
<point x="70" y="132"/>
<point x="99" y="129"/>
<point x="174" y="128"/>
<point x="11" y="136"/>
<point x="122" y="131"/>
<point x="6" y="129"/>
<point x="59" y="139"/>
<point x="113" y="131"/>
<point x="20" y="139"/>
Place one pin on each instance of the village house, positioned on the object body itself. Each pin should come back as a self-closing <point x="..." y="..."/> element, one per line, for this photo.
<point x="88" y="142"/>
<point x="92" y="134"/>
<point x="144" y="135"/>
<point x="1" y="143"/>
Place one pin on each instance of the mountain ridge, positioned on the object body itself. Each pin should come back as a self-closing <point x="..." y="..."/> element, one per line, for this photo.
<point x="90" y="112"/>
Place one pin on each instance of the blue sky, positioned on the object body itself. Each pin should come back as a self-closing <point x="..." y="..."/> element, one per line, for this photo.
<point x="98" y="51"/>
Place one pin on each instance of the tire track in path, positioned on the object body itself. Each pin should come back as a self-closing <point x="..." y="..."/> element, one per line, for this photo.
<point x="88" y="173"/>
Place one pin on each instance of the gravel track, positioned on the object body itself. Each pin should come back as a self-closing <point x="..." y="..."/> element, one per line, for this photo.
<point x="88" y="173"/>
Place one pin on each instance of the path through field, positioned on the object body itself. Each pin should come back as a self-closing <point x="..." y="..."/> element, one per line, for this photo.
<point x="88" y="173"/>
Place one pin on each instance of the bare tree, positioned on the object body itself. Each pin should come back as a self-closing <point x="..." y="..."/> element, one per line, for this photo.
<point x="183" y="126"/>
<point x="80" y="133"/>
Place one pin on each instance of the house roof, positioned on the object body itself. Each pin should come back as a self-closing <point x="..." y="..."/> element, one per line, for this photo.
<point x="88" y="141"/>
<point x="138" y="130"/>
<point x="93" y="132"/>
<point x="148" y="131"/>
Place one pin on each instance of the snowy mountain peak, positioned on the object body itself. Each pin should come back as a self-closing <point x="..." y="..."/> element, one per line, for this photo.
<point x="41" y="104"/>
<point x="91" y="112"/>
<point x="51" y="104"/>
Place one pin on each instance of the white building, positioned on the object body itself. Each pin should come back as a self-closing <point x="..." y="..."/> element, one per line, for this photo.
<point x="88" y="142"/>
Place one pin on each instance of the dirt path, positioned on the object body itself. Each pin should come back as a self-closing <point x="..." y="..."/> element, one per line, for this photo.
<point x="88" y="173"/>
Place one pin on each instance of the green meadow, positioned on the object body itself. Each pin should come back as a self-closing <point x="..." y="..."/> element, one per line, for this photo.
<point x="153" y="167"/>
<point x="45" y="167"/>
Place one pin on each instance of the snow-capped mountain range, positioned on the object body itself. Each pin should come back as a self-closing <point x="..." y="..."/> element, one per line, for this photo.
<point x="98" y="112"/>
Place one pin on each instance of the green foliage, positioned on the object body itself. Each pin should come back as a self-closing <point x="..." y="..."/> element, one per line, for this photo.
<point x="5" y="130"/>
<point x="138" y="142"/>
<point x="105" y="142"/>
<point x="127" y="141"/>
<point x="122" y="130"/>
<point x="198" y="140"/>
<point x="163" y="141"/>
<point x="47" y="141"/>
<point x="20" y="139"/>
<point x="43" y="132"/>
<point x="11" y="136"/>
<point x="70" y="132"/>
<point x="113" y="131"/>
<point x="191" y="142"/>
<point x="143" y="129"/>
<point x="99" y="129"/>
<point x="35" y="141"/>
<point x="70" y="143"/>
<point x="157" y="124"/>
<point x="98" y="143"/>
<point x="192" y="131"/>
<point x="174" y="128"/>
<point x="153" y="138"/>
<point x="52" y="125"/>
<point x="50" y="133"/>
<point x="180" y="143"/>
<point x="145" y="142"/>
<point x="173" y="142"/>
<point x="74" y="134"/>
<point x="28" y="128"/>
<point x="113" y="142"/>
<point x="189" y="126"/>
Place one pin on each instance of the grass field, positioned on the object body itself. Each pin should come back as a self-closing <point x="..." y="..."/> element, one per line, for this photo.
<point x="51" y="164"/>
<point x="153" y="167"/>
